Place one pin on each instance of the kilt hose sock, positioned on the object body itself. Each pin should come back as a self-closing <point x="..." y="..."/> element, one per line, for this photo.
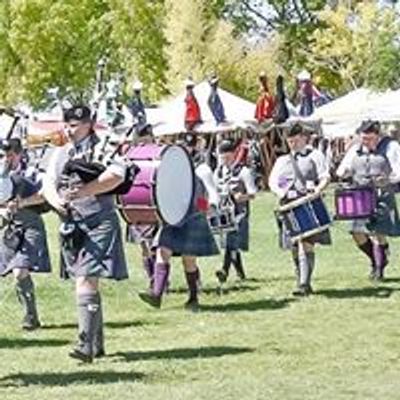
<point x="368" y="249"/>
<point x="161" y="275"/>
<point x="98" y="340"/>
<point x="89" y="315"/>
<point x="192" y="279"/>
<point x="25" y="290"/>
<point x="306" y="264"/>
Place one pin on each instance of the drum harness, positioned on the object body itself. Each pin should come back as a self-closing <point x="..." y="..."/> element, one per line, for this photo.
<point x="227" y="184"/>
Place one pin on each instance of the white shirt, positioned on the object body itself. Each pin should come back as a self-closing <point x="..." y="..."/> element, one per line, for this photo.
<point x="392" y="155"/>
<point x="280" y="180"/>
<point x="204" y="172"/>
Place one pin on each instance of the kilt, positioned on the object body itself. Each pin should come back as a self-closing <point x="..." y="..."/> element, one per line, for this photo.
<point x="32" y="252"/>
<point x="193" y="238"/>
<point x="386" y="220"/>
<point x="100" y="253"/>
<point x="239" y="240"/>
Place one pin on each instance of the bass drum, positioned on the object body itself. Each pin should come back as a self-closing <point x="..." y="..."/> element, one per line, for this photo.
<point x="164" y="188"/>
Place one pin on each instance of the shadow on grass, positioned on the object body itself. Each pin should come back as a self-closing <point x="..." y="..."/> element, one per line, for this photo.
<point x="65" y="379"/>
<point x="110" y="325"/>
<point x="391" y="280"/>
<point x="258" y="305"/>
<point x="226" y="289"/>
<point x="183" y="354"/>
<point x="349" y="293"/>
<point x="20" y="343"/>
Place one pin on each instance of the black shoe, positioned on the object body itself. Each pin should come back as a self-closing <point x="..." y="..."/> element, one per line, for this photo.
<point x="221" y="276"/>
<point x="303" y="290"/>
<point x="192" y="305"/>
<point x="81" y="355"/>
<point x="30" y="323"/>
<point x="150" y="299"/>
<point x="99" y="353"/>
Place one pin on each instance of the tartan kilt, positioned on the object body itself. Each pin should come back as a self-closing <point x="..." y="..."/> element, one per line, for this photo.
<point x="239" y="240"/>
<point x="193" y="238"/>
<point x="386" y="220"/>
<point x="101" y="252"/>
<point x="32" y="252"/>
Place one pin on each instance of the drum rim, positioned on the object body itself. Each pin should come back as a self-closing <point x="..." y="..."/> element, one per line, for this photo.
<point x="191" y="165"/>
<point x="299" y="201"/>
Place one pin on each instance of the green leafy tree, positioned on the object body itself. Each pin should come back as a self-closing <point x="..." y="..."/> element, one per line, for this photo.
<point x="357" y="47"/>
<point x="187" y="29"/>
<point x="138" y="43"/>
<point x="56" y="43"/>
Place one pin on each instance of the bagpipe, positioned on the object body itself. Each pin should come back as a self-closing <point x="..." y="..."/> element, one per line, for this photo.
<point x="90" y="168"/>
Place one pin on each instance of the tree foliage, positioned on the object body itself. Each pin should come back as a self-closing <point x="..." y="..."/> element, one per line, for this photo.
<point x="55" y="43"/>
<point x="138" y="43"/>
<point x="47" y="43"/>
<point x="357" y="47"/>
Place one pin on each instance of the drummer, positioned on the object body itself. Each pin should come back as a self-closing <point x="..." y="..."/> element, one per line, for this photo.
<point x="190" y="240"/>
<point x="374" y="161"/>
<point x="294" y="175"/>
<point x="237" y="188"/>
<point x="144" y="234"/>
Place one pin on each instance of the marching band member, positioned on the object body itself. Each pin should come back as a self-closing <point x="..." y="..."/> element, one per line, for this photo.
<point x="91" y="244"/>
<point x="190" y="240"/>
<point x="234" y="180"/>
<point x="144" y="234"/>
<point x="24" y="244"/>
<point x="375" y="161"/>
<point x="302" y="171"/>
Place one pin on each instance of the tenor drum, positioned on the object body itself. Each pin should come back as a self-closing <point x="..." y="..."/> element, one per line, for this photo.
<point x="355" y="202"/>
<point x="163" y="189"/>
<point x="304" y="217"/>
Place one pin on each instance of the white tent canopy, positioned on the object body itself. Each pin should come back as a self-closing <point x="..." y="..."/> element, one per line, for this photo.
<point x="341" y="117"/>
<point x="353" y="105"/>
<point x="169" y="117"/>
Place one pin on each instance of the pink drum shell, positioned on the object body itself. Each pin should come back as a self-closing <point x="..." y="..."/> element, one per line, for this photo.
<point x="139" y="204"/>
<point x="355" y="203"/>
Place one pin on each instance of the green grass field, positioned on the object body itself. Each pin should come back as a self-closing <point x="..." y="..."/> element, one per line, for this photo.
<point x="254" y="342"/>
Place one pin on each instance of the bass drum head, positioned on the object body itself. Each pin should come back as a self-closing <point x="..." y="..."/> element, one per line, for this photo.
<point x="175" y="185"/>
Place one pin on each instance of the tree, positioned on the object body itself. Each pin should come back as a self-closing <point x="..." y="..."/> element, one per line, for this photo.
<point x="239" y="63"/>
<point x="357" y="47"/>
<point x="55" y="43"/>
<point x="138" y="43"/>
<point x="187" y="28"/>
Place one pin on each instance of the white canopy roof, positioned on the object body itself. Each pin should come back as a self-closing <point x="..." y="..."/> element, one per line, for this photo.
<point x="169" y="117"/>
<point x="341" y="117"/>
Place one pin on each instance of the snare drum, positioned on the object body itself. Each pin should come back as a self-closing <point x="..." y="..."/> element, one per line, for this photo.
<point x="164" y="188"/>
<point x="304" y="217"/>
<point x="355" y="203"/>
<point x="223" y="221"/>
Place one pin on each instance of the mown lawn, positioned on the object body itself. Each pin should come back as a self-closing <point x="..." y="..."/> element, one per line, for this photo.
<point x="254" y="342"/>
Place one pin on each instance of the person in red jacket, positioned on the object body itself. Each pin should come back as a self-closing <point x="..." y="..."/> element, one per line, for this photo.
<point x="265" y="104"/>
<point x="192" y="112"/>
